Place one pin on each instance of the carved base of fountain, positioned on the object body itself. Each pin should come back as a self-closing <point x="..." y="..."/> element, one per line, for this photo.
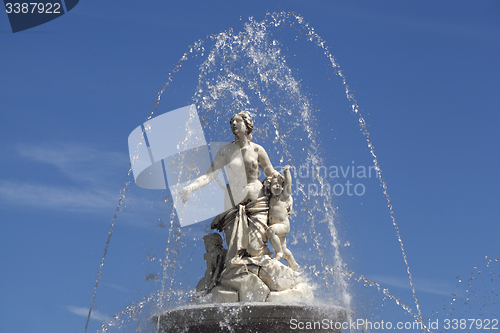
<point x="253" y="317"/>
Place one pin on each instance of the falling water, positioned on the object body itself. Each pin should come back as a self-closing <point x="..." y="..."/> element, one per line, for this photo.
<point x="122" y="196"/>
<point x="250" y="71"/>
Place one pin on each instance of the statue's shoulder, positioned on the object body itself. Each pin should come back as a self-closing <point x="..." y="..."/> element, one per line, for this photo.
<point x="229" y="148"/>
<point x="257" y="148"/>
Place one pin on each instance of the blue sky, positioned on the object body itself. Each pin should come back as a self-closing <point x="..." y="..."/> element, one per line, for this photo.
<point x="425" y="75"/>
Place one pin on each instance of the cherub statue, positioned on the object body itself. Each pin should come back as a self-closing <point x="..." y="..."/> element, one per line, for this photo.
<point x="214" y="257"/>
<point x="280" y="207"/>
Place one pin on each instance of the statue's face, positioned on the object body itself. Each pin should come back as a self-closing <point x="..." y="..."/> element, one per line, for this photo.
<point x="238" y="126"/>
<point x="276" y="187"/>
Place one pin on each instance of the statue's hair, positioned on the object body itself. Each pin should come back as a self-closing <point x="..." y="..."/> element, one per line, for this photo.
<point x="248" y="122"/>
<point x="214" y="238"/>
<point x="278" y="176"/>
<point x="267" y="182"/>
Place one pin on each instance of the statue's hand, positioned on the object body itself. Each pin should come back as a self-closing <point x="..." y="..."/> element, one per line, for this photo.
<point x="286" y="167"/>
<point x="214" y="223"/>
<point x="185" y="193"/>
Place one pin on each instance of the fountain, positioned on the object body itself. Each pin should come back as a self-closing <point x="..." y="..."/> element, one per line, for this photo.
<point x="245" y="71"/>
<point x="243" y="288"/>
<point x="243" y="275"/>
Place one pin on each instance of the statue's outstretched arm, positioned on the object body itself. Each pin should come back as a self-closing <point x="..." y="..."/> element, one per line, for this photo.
<point x="205" y="179"/>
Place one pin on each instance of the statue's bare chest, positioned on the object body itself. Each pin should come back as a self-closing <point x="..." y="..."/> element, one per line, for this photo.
<point x="247" y="157"/>
<point x="250" y="158"/>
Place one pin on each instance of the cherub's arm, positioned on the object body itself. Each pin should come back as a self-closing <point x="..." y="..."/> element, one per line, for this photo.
<point x="287" y="183"/>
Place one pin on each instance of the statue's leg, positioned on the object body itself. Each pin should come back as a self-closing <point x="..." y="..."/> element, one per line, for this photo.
<point x="288" y="256"/>
<point x="276" y="233"/>
<point x="272" y="235"/>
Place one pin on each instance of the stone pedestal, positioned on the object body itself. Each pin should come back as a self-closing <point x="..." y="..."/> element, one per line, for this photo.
<point x="253" y="317"/>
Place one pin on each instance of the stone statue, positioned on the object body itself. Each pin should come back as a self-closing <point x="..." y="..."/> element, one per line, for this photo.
<point x="214" y="257"/>
<point x="249" y="273"/>
<point x="280" y="207"/>
<point x="242" y="159"/>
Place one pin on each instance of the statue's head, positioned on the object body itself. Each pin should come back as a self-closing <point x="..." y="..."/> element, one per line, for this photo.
<point x="240" y="119"/>
<point x="213" y="241"/>
<point x="274" y="184"/>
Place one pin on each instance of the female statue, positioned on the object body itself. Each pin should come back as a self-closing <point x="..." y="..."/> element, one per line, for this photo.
<point x="242" y="159"/>
<point x="248" y="262"/>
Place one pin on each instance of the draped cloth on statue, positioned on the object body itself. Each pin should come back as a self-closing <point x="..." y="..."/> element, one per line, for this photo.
<point x="249" y="267"/>
<point x="245" y="227"/>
